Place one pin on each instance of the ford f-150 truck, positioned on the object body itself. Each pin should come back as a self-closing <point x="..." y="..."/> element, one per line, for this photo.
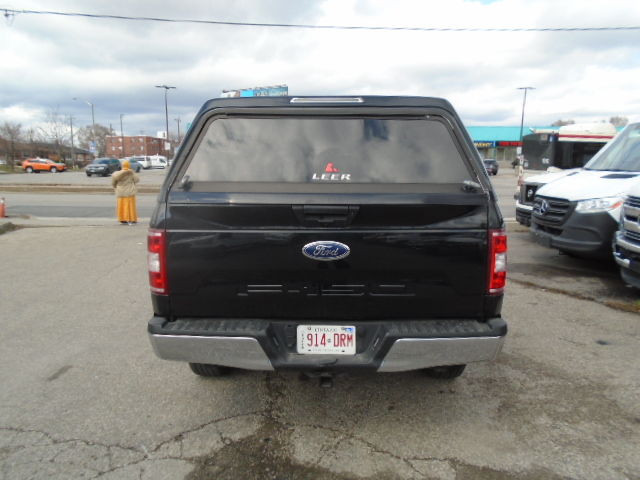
<point x="325" y="234"/>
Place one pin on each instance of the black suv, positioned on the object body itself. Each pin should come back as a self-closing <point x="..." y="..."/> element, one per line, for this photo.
<point x="327" y="234"/>
<point x="103" y="166"/>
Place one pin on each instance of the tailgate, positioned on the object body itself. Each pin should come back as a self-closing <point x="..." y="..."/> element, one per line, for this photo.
<point x="417" y="260"/>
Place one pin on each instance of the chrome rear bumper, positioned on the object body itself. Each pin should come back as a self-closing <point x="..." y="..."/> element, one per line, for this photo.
<point x="416" y="353"/>
<point x="405" y="353"/>
<point x="238" y="352"/>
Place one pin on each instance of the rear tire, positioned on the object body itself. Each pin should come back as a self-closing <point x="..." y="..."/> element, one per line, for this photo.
<point x="206" y="370"/>
<point x="445" y="373"/>
<point x="29" y="170"/>
<point x="88" y="174"/>
<point x="54" y="170"/>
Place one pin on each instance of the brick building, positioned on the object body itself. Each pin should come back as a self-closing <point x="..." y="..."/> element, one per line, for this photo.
<point x="128" y="146"/>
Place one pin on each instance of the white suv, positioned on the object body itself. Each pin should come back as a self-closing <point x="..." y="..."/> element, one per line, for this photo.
<point x="151" y="161"/>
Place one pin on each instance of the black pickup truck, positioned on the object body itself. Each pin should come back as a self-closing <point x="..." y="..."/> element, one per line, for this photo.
<point x="324" y="234"/>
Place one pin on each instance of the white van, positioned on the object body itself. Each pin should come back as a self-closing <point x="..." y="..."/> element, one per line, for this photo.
<point x="579" y="212"/>
<point x="151" y="161"/>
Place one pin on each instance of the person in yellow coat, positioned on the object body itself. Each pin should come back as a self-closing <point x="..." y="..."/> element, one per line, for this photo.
<point x="124" y="183"/>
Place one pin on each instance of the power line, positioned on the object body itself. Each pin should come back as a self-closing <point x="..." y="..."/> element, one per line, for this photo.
<point x="9" y="13"/>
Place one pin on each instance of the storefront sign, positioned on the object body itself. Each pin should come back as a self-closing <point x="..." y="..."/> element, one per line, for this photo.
<point x="484" y="144"/>
<point x="509" y="144"/>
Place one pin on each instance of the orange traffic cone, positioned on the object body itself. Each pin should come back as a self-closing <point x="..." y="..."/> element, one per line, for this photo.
<point x="2" y="208"/>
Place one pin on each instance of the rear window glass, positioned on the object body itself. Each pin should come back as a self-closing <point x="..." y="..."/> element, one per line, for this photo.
<point x="326" y="150"/>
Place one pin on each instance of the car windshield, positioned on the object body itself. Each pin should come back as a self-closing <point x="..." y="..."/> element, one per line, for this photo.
<point x="622" y="154"/>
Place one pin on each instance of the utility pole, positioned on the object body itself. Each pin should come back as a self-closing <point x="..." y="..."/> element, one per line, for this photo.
<point x="72" y="147"/>
<point x="121" y="135"/>
<point x="524" y="101"/>
<point x="178" y="121"/>
<point x="166" y="111"/>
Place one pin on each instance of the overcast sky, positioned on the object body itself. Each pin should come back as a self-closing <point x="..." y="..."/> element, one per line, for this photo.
<point x="46" y="61"/>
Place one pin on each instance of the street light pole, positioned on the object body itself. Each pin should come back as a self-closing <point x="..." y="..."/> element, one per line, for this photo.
<point x="524" y="101"/>
<point x="166" y="110"/>
<point x="121" y="135"/>
<point x="93" y="116"/>
<point x="178" y="121"/>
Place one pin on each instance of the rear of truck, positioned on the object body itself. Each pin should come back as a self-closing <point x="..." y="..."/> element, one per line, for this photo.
<point x="325" y="234"/>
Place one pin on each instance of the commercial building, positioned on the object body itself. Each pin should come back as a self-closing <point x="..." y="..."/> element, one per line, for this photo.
<point x="127" y="146"/>
<point x="501" y="143"/>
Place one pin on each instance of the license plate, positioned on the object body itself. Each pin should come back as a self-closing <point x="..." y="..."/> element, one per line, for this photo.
<point x="332" y="339"/>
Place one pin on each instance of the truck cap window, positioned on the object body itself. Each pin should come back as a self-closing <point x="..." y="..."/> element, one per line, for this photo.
<point x="327" y="150"/>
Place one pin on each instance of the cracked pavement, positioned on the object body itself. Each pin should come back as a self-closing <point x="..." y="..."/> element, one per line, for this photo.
<point x="83" y="396"/>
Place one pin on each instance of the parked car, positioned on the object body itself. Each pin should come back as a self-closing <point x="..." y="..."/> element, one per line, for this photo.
<point x="133" y="163"/>
<point x="37" y="165"/>
<point x="103" y="166"/>
<point x="491" y="165"/>
<point x="626" y="247"/>
<point x="151" y="161"/>
<point x="266" y="255"/>
<point x="580" y="213"/>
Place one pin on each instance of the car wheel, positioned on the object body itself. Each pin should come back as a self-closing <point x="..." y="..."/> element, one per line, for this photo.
<point x="88" y="174"/>
<point x="29" y="170"/>
<point x="54" y="170"/>
<point x="206" y="370"/>
<point x="105" y="174"/>
<point x="445" y="373"/>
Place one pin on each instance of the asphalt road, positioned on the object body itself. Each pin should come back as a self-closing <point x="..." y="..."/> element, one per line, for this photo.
<point x="83" y="396"/>
<point x="147" y="177"/>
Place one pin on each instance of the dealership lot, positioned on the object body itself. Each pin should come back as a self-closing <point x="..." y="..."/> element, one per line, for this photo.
<point x="83" y="396"/>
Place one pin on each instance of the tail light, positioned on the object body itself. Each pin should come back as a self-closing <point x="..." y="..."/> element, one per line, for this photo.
<point x="157" y="261"/>
<point x="497" y="261"/>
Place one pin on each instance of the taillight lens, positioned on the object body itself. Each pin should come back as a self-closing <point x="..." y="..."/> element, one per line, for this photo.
<point x="497" y="261"/>
<point x="157" y="261"/>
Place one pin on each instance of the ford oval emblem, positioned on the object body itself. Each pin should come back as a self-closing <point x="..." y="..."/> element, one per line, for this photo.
<point x="326" y="251"/>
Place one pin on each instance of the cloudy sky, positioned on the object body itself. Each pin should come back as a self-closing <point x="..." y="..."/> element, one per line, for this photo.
<point x="48" y="60"/>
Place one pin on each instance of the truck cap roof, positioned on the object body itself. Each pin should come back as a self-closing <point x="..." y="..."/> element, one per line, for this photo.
<point x="329" y="100"/>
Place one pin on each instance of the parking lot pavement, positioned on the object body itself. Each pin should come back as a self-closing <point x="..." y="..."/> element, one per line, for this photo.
<point x="536" y="266"/>
<point x="147" y="177"/>
<point x="83" y="396"/>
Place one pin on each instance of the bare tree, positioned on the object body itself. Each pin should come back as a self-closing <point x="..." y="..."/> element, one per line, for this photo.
<point x="56" y="131"/>
<point x="618" y="121"/>
<point x="31" y="138"/>
<point x="11" y="133"/>
<point x="562" y="123"/>
<point x="97" y="134"/>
